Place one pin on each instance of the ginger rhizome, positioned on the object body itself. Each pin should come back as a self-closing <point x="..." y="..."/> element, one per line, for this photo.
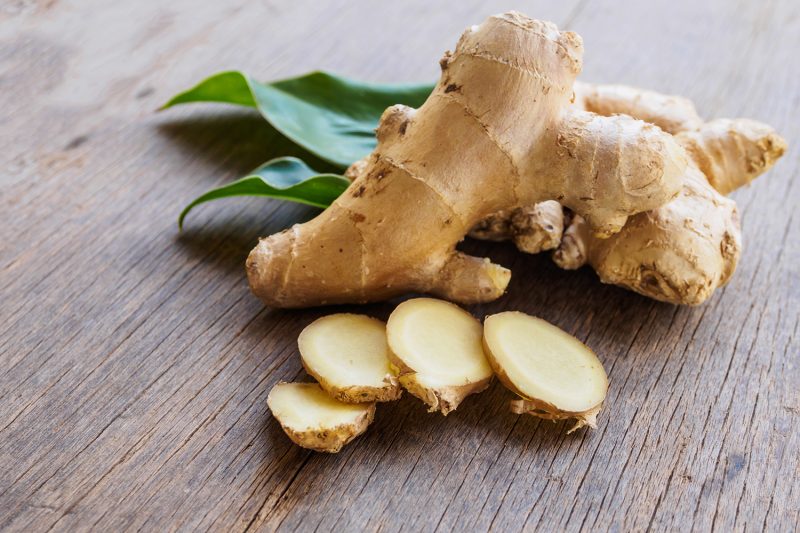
<point x="349" y="357"/>
<point x="498" y="132"/>
<point x="679" y="252"/>
<point x="436" y="350"/>
<point x="683" y="251"/>
<point x="314" y="420"/>
<point x="555" y="375"/>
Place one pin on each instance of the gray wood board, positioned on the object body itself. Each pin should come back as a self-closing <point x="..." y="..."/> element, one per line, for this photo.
<point x="135" y="364"/>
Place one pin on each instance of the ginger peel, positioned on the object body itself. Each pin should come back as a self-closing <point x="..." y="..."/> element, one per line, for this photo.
<point x="683" y="251"/>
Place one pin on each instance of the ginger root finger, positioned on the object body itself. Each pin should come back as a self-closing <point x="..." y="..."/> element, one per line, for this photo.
<point x="314" y="420"/>
<point x="733" y="152"/>
<point x="437" y="352"/>
<point x="463" y="277"/>
<point x="608" y="168"/>
<point x="540" y="227"/>
<point x="467" y="152"/>
<point x="533" y="229"/>
<point x="679" y="253"/>
<point x="555" y="375"/>
<point x="683" y="251"/>
<point x="349" y="356"/>
<point x="671" y="113"/>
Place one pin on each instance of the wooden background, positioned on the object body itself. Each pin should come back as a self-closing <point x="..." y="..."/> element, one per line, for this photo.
<point x="135" y="364"/>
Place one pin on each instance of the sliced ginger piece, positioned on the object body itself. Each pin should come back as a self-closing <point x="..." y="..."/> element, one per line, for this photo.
<point x="436" y="349"/>
<point x="314" y="420"/>
<point x="349" y="357"/>
<point x="556" y="375"/>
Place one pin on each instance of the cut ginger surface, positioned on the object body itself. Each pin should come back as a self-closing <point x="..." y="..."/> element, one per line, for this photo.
<point x="349" y="356"/>
<point x="555" y="375"/>
<point x="314" y="420"/>
<point x="437" y="351"/>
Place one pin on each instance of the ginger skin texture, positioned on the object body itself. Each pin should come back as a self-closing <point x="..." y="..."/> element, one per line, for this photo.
<point x="672" y="114"/>
<point x="682" y="251"/>
<point x="498" y="132"/>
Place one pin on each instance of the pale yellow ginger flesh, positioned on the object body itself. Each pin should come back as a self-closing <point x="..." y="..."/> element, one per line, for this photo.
<point x="436" y="348"/>
<point x="497" y="133"/>
<point x="555" y="375"/>
<point x="314" y="420"/>
<point x="349" y="356"/>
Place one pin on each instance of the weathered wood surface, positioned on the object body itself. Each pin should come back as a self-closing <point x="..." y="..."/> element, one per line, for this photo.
<point x="135" y="364"/>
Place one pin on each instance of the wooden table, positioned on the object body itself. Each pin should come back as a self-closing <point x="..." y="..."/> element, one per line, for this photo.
<point x="135" y="363"/>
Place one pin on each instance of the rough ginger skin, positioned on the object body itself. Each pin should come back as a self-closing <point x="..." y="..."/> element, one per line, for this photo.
<point x="498" y="132"/>
<point x="540" y="227"/>
<point x="682" y="251"/>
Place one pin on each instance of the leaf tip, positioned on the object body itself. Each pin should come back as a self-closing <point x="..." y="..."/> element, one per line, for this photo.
<point x="182" y="216"/>
<point x="171" y="102"/>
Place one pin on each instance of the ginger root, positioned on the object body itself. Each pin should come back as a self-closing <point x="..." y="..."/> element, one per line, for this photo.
<point x="498" y="132"/>
<point x="314" y="420"/>
<point x="436" y="349"/>
<point x="684" y="250"/>
<point x="732" y="152"/>
<point x="349" y="357"/>
<point x="555" y="375"/>
<point x="539" y="227"/>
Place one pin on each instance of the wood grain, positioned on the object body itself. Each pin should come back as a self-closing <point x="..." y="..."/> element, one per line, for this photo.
<point x="135" y="364"/>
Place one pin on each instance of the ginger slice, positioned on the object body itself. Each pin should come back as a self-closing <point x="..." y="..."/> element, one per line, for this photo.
<point x="556" y="375"/>
<point x="349" y="357"/>
<point x="314" y="420"/>
<point x="436" y="348"/>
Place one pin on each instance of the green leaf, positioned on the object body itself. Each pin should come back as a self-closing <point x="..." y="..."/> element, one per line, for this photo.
<point x="287" y="178"/>
<point x="328" y="115"/>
